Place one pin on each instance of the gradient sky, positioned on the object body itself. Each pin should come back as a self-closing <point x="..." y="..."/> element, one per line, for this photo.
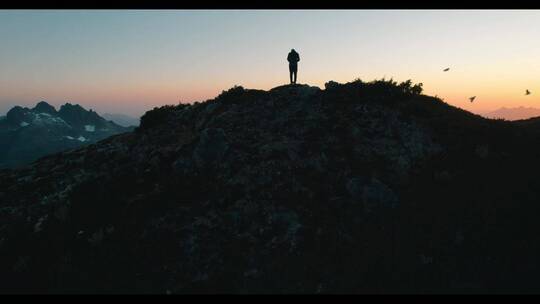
<point x="128" y="61"/>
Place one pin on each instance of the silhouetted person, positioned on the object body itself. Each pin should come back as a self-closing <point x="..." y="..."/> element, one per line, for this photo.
<point x="293" y="59"/>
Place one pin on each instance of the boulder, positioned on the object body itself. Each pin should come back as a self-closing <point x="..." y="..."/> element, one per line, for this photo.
<point x="211" y="148"/>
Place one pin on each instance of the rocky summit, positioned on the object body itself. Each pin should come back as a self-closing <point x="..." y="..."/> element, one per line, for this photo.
<point x="28" y="134"/>
<point x="354" y="188"/>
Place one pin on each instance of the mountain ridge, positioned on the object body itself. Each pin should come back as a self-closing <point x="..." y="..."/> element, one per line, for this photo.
<point x="122" y="119"/>
<point x="26" y="134"/>
<point x="354" y="188"/>
<point x="515" y="113"/>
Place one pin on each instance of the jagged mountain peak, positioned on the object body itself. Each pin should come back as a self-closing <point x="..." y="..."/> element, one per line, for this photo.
<point x="16" y="114"/>
<point x="69" y="105"/>
<point x="78" y="116"/>
<point x="44" y="107"/>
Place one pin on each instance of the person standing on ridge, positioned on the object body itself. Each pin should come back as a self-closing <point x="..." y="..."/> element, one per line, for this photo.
<point x="293" y="59"/>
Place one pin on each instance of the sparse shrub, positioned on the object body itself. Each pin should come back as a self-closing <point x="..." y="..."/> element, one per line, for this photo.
<point x="407" y="87"/>
<point x="155" y="117"/>
<point x="232" y="91"/>
<point x="331" y="85"/>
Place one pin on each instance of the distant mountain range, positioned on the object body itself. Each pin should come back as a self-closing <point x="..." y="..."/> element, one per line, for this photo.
<point x="122" y="119"/>
<point x="27" y="134"/>
<point x="513" y="113"/>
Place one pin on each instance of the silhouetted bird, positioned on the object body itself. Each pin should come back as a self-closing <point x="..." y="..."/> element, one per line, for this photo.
<point x="527" y="92"/>
<point x="472" y="98"/>
<point x="293" y="59"/>
<point x="446" y="70"/>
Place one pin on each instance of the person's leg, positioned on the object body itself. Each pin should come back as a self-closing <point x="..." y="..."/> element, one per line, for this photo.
<point x="295" y="72"/>
<point x="291" y="73"/>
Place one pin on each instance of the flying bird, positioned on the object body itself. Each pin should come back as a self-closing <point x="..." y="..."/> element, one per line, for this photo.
<point x="527" y="92"/>
<point x="472" y="98"/>
<point x="446" y="70"/>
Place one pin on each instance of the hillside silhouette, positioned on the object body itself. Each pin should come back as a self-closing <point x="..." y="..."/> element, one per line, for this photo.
<point x="355" y="188"/>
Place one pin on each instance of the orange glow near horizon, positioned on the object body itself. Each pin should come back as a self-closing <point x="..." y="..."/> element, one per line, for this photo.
<point x="132" y="61"/>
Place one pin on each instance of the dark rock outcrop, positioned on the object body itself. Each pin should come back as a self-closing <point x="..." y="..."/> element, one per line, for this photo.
<point x="361" y="187"/>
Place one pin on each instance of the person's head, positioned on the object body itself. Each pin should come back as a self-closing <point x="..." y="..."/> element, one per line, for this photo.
<point x="293" y="51"/>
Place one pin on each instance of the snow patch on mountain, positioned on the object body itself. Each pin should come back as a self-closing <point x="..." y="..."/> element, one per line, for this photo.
<point x="46" y="118"/>
<point x="48" y="131"/>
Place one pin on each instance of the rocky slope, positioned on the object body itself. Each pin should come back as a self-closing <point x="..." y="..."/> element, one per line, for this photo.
<point x="27" y="134"/>
<point x="360" y="187"/>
